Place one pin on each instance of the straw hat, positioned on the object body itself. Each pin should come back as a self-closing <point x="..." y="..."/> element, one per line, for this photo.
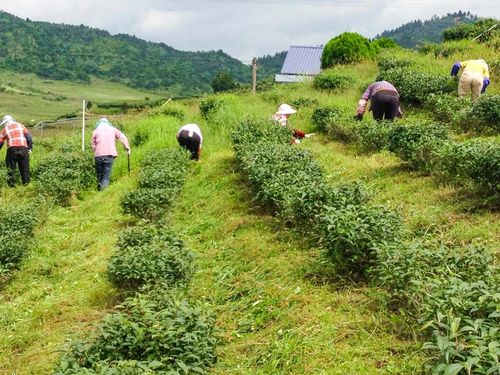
<point x="285" y="109"/>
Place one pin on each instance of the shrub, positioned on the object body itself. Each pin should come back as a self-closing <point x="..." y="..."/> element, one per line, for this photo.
<point x="487" y="111"/>
<point x="64" y="174"/>
<point x="158" y="331"/>
<point x="374" y="135"/>
<point x="387" y="61"/>
<point x="149" y="204"/>
<point x="476" y="160"/>
<point x="169" y="108"/>
<point x="346" y="48"/>
<point x="163" y="259"/>
<point x="470" y="30"/>
<point x="351" y="234"/>
<point x="332" y="80"/>
<point x="140" y="138"/>
<point x="449" y="109"/>
<point x="210" y="105"/>
<point x="383" y="43"/>
<point x="322" y="117"/>
<point x="419" y="145"/>
<point x="415" y="86"/>
<point x="252" y="131"/>
<point x="304" y="102"/>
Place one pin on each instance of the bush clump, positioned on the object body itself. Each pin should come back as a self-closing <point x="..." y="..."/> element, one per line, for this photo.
<point x="156" y="331"/>
<point x="169" y="108"/>
<point x="487" y="113"/>
<point x="304" y="102"/>
<point x="419" y="145"/>
<point x="150" y="256"/>
<point x="374" y="135"/>
<point x="322" y="117"/>
<point x="346" y="48"/>
<point x="210" y="105"/>
<point x="63" y="175"/>
<point x="332" y="80"/>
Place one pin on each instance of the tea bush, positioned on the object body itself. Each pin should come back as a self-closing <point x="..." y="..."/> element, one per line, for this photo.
<point x="487" y="112"/>
<point x="387" y="61"/>
<point x="322" y="117"/>
<point x="159" y="331"/>
<point x="419" y="145"/>
<point x="476" y="160"/>
<point x="63" y="175"/>
<point x="374" y="135"/>
<point x="332" y="80"/>
<point x="350" y="234"/>
<point x="162" y="261"/>
<point x="346" y="48"/>
<point x="149" y="204"/>
<point x="169" y="108"/>
<point x="140" y="138"/>
<point x="210" y="105"/>
<point x="414" y="86"/>
<point x="450" y="109"/>
<point x="304" y="102"/>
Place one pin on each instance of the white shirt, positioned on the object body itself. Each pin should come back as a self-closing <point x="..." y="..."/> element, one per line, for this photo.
<point x="192" y="128"/>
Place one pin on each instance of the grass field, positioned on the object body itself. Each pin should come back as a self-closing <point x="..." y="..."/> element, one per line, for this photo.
<point x="279" y="308"/>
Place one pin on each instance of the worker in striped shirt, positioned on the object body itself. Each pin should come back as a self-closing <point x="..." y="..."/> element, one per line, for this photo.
<point x="19" y="145"/>
<point x="384" y="102"/>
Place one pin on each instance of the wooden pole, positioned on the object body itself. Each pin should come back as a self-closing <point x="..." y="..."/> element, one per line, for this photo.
<point x="83" y="126"/>
<point x="254" y="75"/>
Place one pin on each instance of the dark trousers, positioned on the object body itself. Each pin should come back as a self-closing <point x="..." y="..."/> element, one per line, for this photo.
<point x="103" y="166"/>
<point x="385" y="105"/>
<point x="192" y="144"/>
<point x="18" y="156"/>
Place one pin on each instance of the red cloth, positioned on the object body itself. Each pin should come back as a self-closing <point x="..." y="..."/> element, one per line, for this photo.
<point x="15" y="134"/>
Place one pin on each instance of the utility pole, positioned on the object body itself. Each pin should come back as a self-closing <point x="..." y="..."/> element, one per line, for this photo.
<point x="83" y="126"/>
<point x="254" y="75"/>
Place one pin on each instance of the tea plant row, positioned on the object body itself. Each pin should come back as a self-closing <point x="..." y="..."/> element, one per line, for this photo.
<point x="452" y="292"/>
<point x="157" y="330"/>
<point x="422" y="146"/>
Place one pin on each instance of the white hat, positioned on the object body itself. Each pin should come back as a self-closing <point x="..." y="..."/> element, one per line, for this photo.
<point x="285" y="109"/>
<point x="6" y="119"/>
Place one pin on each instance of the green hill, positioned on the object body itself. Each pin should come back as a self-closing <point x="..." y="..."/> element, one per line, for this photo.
<point x="418" y="32"/>
<point x="65" y="52"/>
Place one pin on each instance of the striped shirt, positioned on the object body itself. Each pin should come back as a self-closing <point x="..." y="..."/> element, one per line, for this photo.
<point x="378" y="86"/>
<point x="15" y="134"/>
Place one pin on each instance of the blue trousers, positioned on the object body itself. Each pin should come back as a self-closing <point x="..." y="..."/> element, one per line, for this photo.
<point x="103" y="166"/>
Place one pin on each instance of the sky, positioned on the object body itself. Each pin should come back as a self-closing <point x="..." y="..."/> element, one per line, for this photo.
<point x="243" y="29"/>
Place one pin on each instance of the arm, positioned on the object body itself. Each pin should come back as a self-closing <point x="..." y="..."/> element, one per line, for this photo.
<point x="364" y="100"/>
<point x="29" y="140"/>
<point x="123" y="139"/>
<point x="455" y="68"/>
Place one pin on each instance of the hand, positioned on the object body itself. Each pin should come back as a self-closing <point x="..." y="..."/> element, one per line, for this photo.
<point x="29" y="152"/>
<point x="128" y="152"/>
<point x="309" y="135"/>
<point x="486" y="83"/>
<point x="358" y="117"/>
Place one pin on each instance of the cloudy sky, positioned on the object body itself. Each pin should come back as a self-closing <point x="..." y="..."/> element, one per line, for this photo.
<point x="242" y="28"/>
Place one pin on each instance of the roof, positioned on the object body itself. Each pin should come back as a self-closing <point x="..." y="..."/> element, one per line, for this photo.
<point x="291" y="78"/>
<point x="303" y="60"/>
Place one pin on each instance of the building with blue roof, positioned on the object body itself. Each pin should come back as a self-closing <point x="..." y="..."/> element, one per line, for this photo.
<point x="301" y="63"/>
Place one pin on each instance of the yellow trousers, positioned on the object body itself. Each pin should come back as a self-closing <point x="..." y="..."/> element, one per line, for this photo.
<point x="470" y="82"/>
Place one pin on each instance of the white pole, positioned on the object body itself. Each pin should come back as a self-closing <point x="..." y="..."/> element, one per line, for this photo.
<point x="83" y="126"/>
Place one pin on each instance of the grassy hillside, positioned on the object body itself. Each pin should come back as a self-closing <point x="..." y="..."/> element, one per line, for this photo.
<point x="279" y="303"/>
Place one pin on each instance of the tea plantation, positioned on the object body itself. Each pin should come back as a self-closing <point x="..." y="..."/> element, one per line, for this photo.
<point x="370" y="248"/>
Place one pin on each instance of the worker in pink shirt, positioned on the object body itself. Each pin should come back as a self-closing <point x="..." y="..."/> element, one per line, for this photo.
<point x="103" y="144"/>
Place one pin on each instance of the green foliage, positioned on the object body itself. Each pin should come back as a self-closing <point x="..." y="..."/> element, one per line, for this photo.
<point x="450" y="109"/>
<point x="471" y="30"/>
<point x="210" y="105"/>
<point x="323" y="117"/>
<point x="476" y="160"/>
<point x="223" y="81"/>
<point x="169" y="108"/>
<point x="150" y="255"/>
<point x="350" y="234"/>
<point x="374" y="135"/>
<point x="140" y="138"/>
<point x="346" y="48"/>
<point x="442" y="49"/>
<point x="62" y="175"/>
<point x="487" y="113"/>
<point x="157" y="331"/>
<point x="383" y="43"/>
<point x="414" y="86"/>
<point x="304" y="102"/>
<point x="16" y="237"/>
<point x="332" y="80"/>
<point x="160" y="181"/>
<point x="387" y="61"/>
<point x="418" y="144"/>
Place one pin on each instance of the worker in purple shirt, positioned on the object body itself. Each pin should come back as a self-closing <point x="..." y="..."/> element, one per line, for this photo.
<point x="384" y="102"/>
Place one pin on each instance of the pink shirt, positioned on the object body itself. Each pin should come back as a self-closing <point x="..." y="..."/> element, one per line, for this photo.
<point x="103" y="140"/>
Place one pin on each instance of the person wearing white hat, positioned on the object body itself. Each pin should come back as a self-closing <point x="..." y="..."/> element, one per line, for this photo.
<point x="19" y="145"/>
<point x="281" y="116"/>
<point x="189" y="136"/>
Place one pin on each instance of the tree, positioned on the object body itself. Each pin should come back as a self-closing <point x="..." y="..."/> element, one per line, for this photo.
<point x="223" y="81"/>
<point x="346" y="48"/>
